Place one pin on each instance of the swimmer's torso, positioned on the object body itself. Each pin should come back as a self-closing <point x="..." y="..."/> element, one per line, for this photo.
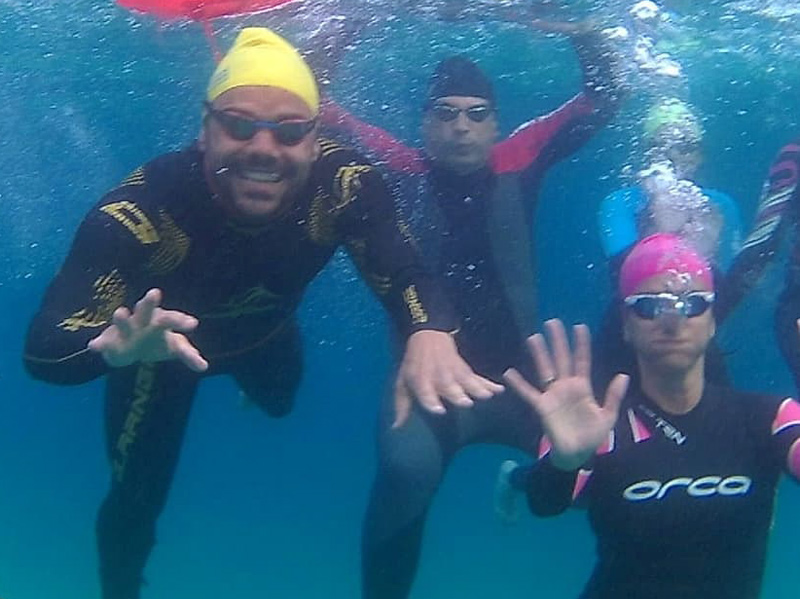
<point x="684" y="509"/>
<point x="162" y="228"/>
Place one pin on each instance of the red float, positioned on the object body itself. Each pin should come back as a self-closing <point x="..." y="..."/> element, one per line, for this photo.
<point x="200" y="10"/>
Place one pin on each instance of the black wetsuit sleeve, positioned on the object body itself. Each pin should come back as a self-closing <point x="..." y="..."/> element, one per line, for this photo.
<point x="548" y="489"/>
<point x="94" y="280"/>
<point x="773" y="217"/>
<point x="384" y="251"/>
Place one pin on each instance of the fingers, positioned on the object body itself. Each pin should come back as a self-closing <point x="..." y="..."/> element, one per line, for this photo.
<point x="560" y="346"/>
<point x="402" y="405"/>
<point x="426" y="396"/>
<point x="148" y="313"/>
<point x="582" y="357"/>
<point x="614" y="394"/>
<point x="100" y="343"/>
<point x="456" y="395"/>
<point x="466" y="387"/>
<point x="541" y="359"/>
<point x="144" y="308"/>
<point x="522" y="387"/>
<point x="478" y="387"/>
<point x="175" y="321"/>
<point x="122" y="320"/>
<point x="182" y="349"/>
<point x="557" y="360"/>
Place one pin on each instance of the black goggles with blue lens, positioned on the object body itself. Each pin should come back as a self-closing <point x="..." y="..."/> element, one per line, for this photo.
<point x="242" y="128"/>
<point x="653" y="305"/>
<point x="447" y="112"/>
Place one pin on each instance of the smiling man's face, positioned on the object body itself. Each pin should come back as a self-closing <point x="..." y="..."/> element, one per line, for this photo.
<point x="257" y="179"/>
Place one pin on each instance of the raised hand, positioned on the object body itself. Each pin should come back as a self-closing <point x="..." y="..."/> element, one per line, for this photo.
<point x="149" y="334"/>
<point x="573" y="420"/>
<point x="433" y="373"/>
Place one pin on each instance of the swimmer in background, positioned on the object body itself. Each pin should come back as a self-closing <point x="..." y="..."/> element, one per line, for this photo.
<point x="679" y="476"/>
<point x="471" y="199"/>
<point x="777" y="216"/>
<point x="667" y="199"/>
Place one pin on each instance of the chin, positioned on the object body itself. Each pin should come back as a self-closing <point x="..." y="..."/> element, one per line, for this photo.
<point x="676" y="363"/>
<point x="257" y="212"/>
<point x="465" y="167"/>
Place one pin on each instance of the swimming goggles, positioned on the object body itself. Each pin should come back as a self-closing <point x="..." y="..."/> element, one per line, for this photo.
<point x="653" y="305"/>
<point x="242" y="128"/>
<point x="448" y="113"/>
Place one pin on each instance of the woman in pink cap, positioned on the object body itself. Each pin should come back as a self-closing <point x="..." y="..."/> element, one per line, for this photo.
<point x="678" y="475"/>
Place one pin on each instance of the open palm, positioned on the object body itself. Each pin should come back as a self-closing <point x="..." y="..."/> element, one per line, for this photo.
<point x="148" y="334"/>
<point x="573" y="420"/>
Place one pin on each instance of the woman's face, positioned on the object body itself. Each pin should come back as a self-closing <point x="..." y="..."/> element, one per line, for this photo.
<point x="672" y="338"/>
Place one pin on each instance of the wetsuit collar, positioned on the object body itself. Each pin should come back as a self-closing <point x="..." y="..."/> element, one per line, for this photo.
<point x="449" y="178"/>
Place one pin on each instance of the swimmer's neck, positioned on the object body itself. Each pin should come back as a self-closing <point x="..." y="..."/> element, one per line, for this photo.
<point x="675" y="392"/>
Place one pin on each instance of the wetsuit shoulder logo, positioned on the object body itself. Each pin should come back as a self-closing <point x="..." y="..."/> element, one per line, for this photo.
<point x="133" y="218"/>
<point x="135" y="178"/>
<point x="705" y="486"/>
<point x="328" y="147"/>
<point x="109" y="294"/>
<point x="173" y="248"/>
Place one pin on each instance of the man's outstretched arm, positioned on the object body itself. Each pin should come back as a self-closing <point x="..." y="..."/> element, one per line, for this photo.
<point x="432" y="372"/>
<point x="541" y="142"/>
<point x="83" y="327"/>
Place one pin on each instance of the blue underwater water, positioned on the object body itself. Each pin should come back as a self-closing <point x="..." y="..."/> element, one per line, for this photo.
<point x="268" y="508"/>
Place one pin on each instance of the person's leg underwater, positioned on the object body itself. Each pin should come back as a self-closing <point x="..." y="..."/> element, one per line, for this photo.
<point x="147" y="408"/>
<point x="412" y="460"/>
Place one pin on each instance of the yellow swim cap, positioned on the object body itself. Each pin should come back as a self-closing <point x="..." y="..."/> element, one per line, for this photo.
<point x="675" y="114"/>
<point x="261" y="57"/>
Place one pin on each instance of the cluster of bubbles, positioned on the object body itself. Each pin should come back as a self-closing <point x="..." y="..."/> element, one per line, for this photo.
<point x="80" y="47"/>
<point x="675" y="204"/>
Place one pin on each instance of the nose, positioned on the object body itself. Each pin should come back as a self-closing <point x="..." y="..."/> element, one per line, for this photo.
<point x="264" y="142"/>
<point x="461" y="122"/>
<point x="671" y="320"/>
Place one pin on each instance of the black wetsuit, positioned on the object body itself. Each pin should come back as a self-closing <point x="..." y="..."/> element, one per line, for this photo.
<point x="681" y="505"/>
<point x="476" y="232"/>
<point x="162" y="228"/>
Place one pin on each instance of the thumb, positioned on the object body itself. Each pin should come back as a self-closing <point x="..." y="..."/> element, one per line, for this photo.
<point x="614" y="394"/>
<point x="402" y="405"/>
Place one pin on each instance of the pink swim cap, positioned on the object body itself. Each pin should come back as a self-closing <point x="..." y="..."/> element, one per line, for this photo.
<point x="658" y="254"/>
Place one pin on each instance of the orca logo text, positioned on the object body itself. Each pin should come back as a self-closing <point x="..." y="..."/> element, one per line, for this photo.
<point x="705" y="486"/>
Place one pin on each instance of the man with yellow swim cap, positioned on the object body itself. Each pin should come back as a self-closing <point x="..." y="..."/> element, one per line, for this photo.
<point x="218" y="242"/>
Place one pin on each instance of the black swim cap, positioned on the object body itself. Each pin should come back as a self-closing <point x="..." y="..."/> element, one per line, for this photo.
<point x="459" y="76"/>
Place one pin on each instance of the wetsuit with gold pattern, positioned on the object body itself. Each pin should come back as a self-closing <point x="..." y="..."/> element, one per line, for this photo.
<point x="162" y="228"/>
